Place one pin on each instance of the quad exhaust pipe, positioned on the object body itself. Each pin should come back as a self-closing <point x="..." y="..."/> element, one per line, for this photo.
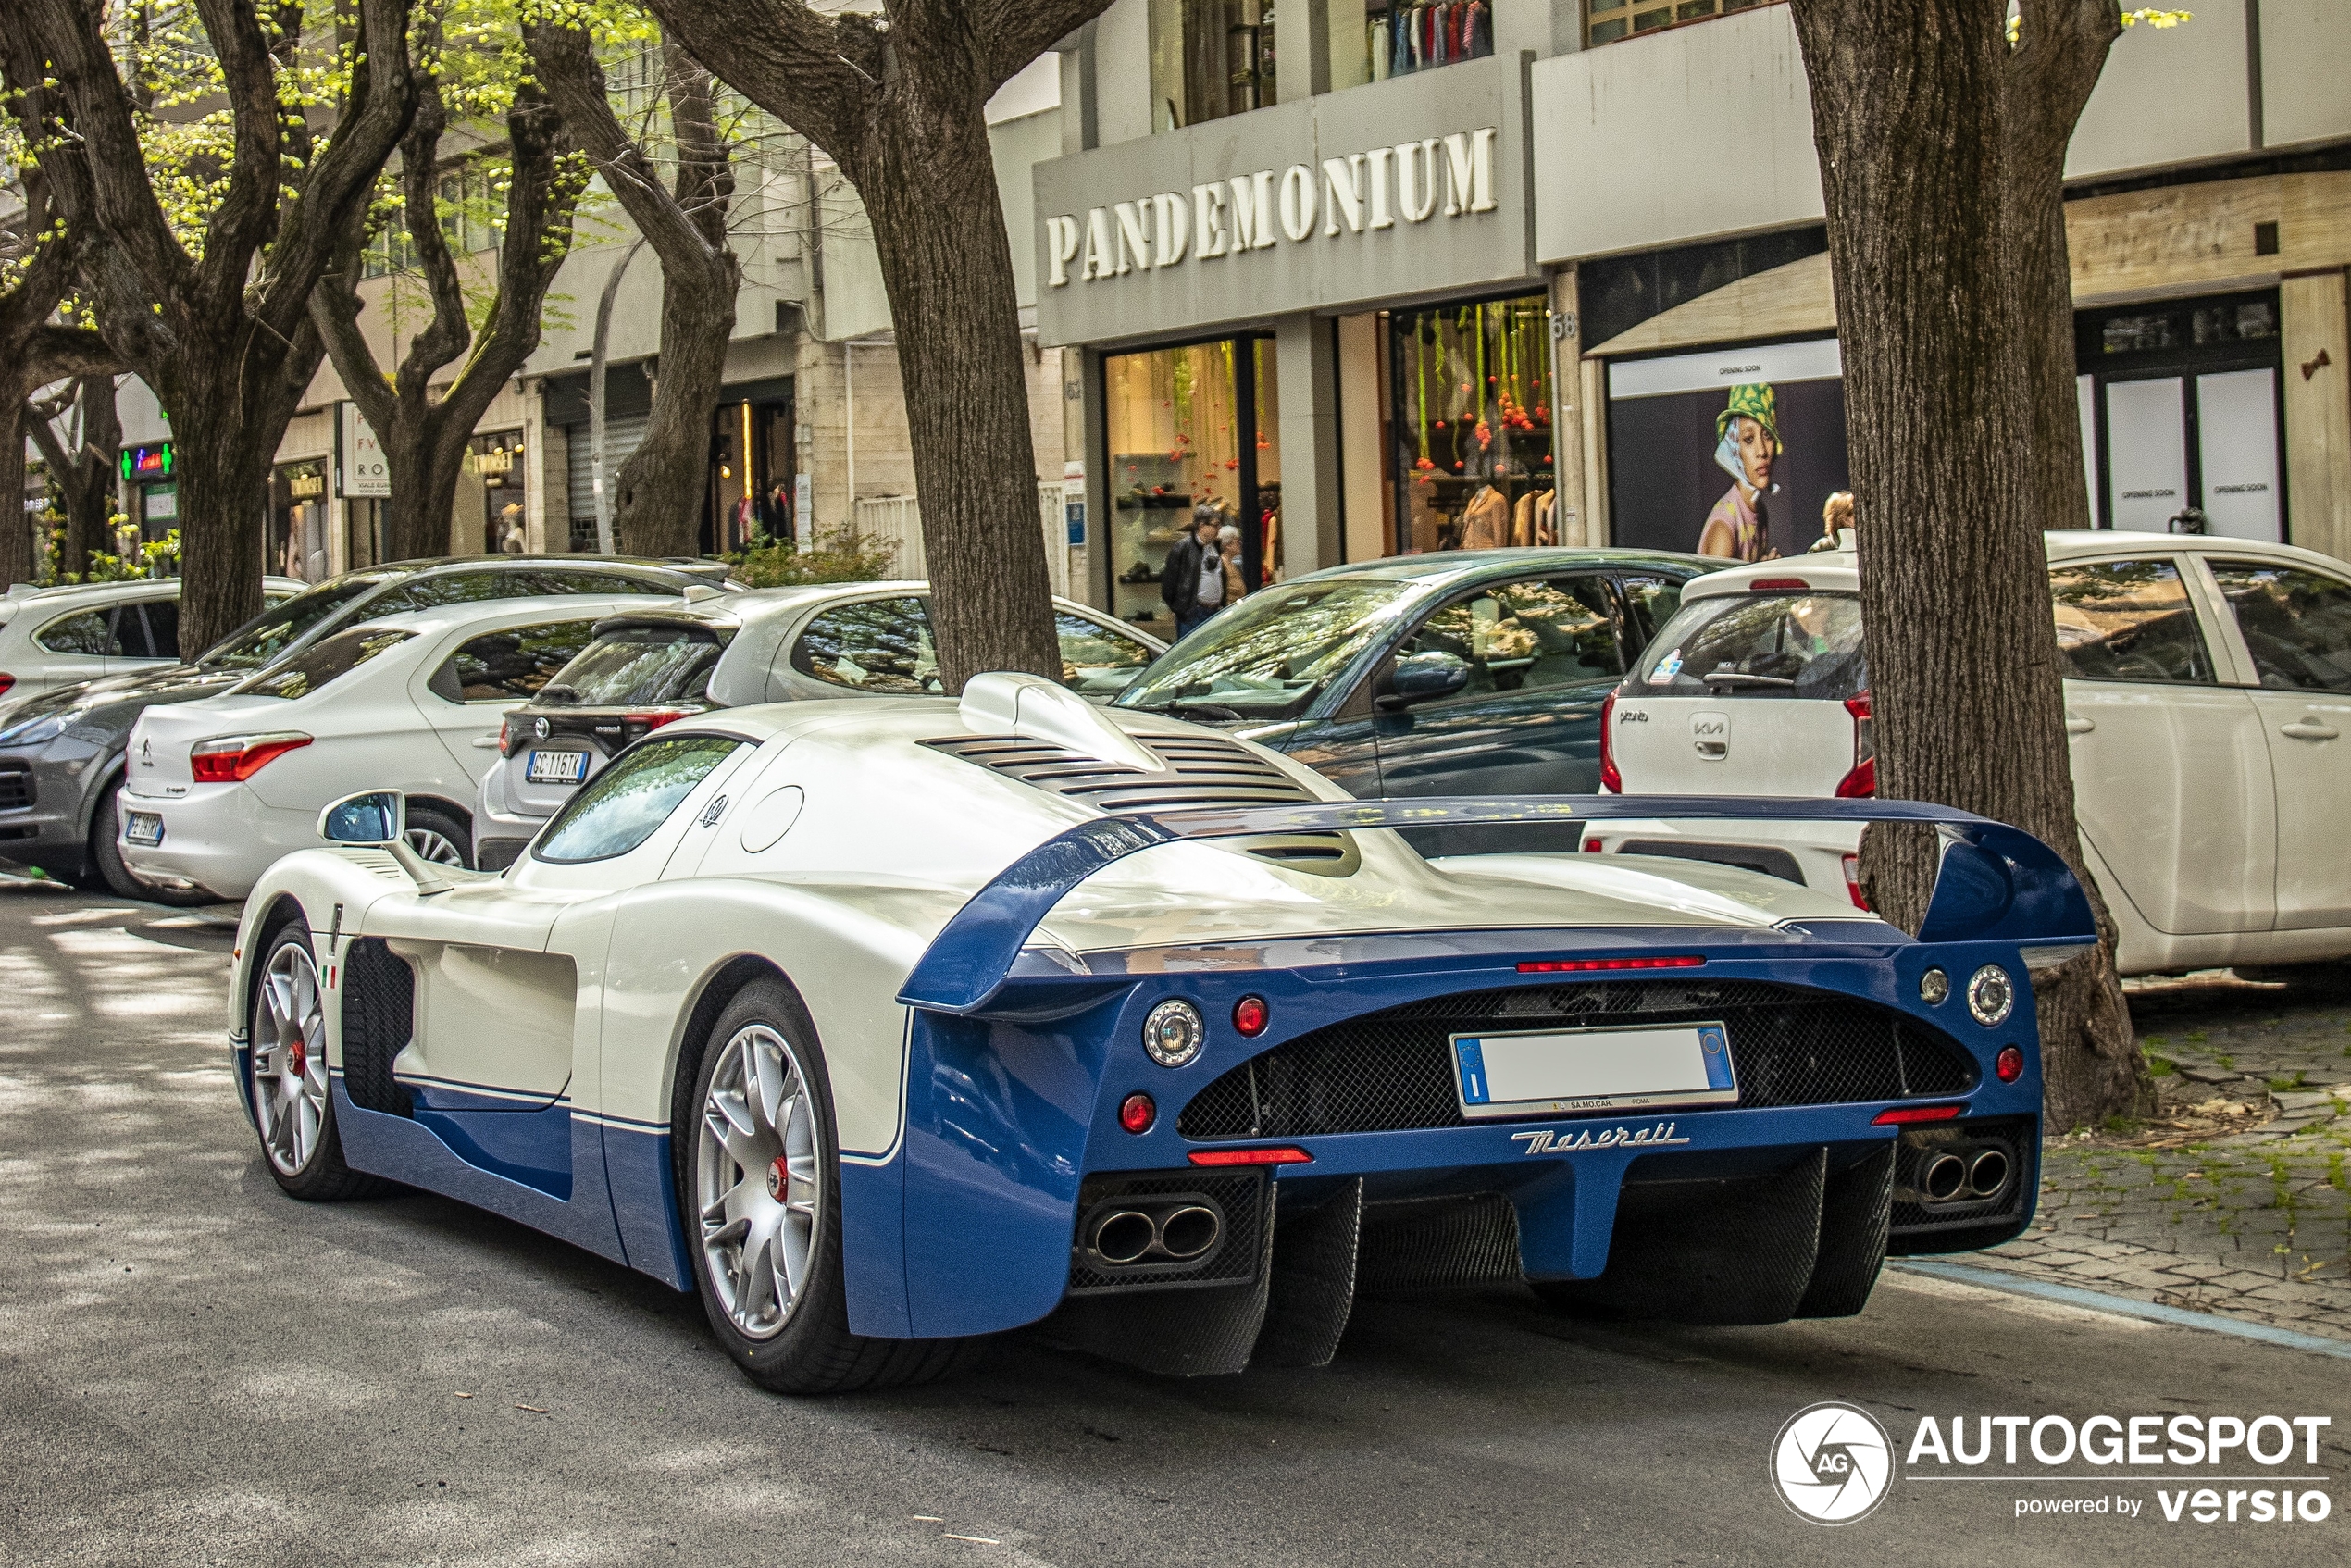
<point x="1178" y="1230"/>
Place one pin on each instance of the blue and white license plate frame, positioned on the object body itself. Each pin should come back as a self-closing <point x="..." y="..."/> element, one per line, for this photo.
<point x="143" y="828"/>
<point x="1560" y="1072"/>
<point x="573" y="762"/>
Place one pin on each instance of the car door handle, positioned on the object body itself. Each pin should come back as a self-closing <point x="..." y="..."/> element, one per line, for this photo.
<point x="2308" y="729"/>
<point x="2079" y="726"/>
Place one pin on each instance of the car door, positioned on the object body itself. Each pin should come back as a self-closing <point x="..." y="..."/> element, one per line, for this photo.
<point x="2171" y="777"/>
<point x="2295" y="623"/>
<point x="466" y="697"/>
<point x="1543" y="654"/>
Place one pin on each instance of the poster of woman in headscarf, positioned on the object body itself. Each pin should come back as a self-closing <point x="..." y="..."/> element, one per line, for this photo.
<point x="1729" y="453"/>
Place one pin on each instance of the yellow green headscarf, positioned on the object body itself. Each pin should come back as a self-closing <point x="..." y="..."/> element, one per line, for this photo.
<point x="1755" y="401"/>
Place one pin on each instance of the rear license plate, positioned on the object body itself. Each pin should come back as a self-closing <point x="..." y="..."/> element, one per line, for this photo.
<point x="142" y="828"/>
<point x="555" y="767"/>
<point x="1532" y="1074"/>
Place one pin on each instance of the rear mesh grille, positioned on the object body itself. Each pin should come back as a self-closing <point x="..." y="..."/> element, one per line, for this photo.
<point x="1208" y="771"/>
<point x="1391" y="1071"/>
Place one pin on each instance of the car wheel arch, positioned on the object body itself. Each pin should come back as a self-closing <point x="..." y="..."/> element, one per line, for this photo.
<point x="284" y="910"/>
<point x="717" y="989"/>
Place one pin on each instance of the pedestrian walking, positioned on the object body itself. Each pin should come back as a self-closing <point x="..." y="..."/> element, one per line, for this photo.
<point x="1836" y="515"/>
<point x="1192" y="582"/>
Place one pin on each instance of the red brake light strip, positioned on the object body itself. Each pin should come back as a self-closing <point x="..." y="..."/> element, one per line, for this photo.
<point x="1583" y="966"/>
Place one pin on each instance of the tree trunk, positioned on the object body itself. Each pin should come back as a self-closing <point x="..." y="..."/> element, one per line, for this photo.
<point x="658" y="494"/>
<point x="929" y="186"/>
<point x="1907" y="107"/>
<point x="18" y="559"/>
<point x="83" y="472"/>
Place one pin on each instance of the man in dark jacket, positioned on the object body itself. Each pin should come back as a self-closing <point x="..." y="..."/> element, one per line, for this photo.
<point x="1179" y="578"/>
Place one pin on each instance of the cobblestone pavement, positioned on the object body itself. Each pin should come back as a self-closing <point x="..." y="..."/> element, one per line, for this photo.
<point x="2233" y="1198"/>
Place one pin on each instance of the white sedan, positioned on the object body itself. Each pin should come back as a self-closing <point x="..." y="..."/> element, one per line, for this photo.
<point x="54" y="637"/>
<point x="2207" y="695"/>
<point x="219" y="788"/>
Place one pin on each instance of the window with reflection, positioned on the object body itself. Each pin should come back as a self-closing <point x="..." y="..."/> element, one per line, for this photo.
<point x="2296" y="624"/>
<point x="624" y="804"/>
<point x="2127" y="620"/>
<point x="1277" y="651"/>
<point x="1526" y="636"/>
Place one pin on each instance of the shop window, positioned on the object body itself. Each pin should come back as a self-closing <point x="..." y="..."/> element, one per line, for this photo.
<point x="1210" y="59"/>
<point x="1193" y="437"/>
<point x="298" y="521"/>
<point x="1605" y="21"/>
<point x="1472" y="426"/>
<point x="497" y="461"/>
<point x="1401" y="37"/>
<point x="749" y="494"/>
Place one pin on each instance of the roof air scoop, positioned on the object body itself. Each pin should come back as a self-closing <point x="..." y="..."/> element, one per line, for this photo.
<point x="1004" y="702"/>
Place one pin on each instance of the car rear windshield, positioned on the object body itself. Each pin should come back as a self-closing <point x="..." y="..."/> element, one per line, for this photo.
<point x="325" y="661"/>
<point x="1273" y="654"/>
<point x="634" y="665"/>
<point x="1757" y="645"/>
<point x="274" y="630"/>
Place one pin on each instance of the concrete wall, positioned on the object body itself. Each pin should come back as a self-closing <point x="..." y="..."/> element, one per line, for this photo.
<point x="1123" y="73"/>
<point x="2306" y="46"/>
<point x="2170" y="95"/>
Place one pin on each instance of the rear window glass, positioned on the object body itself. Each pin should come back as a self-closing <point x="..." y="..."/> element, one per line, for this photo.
<point x="1758" y="645"/>
<point x="326" y="661"/>
<point x="91" y="634"/>
<point x="509" y="666"/>
<point x="623" y="806"/>
<point x="639" y="664"/>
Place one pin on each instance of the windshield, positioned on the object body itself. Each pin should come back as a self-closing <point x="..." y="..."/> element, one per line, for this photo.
<point x="1758" y="645"/>
<point x="639" y="664"/>
<point x="274" y="630"/>
<point x="325" y="661"/>
<point x="1273" y="654"/>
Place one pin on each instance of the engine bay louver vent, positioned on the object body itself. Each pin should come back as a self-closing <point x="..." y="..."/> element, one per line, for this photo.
<point x="1205" y="771"/>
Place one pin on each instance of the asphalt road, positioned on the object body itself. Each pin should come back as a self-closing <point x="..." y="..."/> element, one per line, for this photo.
<point x="195" y="1370"/>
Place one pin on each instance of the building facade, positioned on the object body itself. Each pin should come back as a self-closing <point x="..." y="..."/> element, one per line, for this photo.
<point x="1430" y="276"/>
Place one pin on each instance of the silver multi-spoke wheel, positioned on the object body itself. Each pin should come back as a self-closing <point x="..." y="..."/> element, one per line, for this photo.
<point x="756" y="1186"/>
<point x="289" y="1059"/>
<point x="434" y="847"/>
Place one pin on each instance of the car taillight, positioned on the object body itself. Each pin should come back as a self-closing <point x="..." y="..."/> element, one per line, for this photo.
<point x="1861" y="783"/>
<point x="1853" y="882"/>
<point x="641" y="724"/>
<point x="6" y="681"/>
<point x="1611" y="781"/>
<point x="235" y="758"/>
<point x="506" y="738"/>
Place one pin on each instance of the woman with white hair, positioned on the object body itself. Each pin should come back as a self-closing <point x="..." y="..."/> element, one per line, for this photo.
<point x="1228" y="545"/>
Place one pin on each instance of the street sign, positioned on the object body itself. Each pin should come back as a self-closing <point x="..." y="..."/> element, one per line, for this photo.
<point x="360" y="456"/>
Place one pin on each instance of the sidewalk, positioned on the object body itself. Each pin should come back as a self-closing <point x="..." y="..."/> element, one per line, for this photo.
<point x="2234" y="1198"/>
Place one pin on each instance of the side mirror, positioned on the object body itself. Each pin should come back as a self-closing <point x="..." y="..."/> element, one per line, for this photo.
<point x="377" y="817"/>
<point x="1424" y="677"/>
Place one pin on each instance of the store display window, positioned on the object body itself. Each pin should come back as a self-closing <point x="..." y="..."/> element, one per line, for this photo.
<point x="749" y="494"/>
<point x="1401" y="37"/>
<point x="498" y="461"/>
<point x="1210" y="59"/>
<point x="298" y="521"/>
<point x="1192" y="434"/>
<point x="1471" y="426"/>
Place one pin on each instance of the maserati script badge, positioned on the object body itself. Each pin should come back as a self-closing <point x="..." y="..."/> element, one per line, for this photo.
<point x="1546" y="1142"/>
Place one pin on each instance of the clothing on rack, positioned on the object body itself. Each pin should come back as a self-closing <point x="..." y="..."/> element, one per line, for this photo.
<point x="1523" y="520"/>
<point x="1382" y="65"/>
<point x="1486" y="521"/>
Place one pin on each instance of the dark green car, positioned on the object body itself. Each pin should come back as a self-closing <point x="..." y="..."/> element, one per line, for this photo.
<point x="1464" y="673"/>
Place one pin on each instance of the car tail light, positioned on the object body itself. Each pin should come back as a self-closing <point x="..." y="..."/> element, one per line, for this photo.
<point x="235" y="758"/>
<point x="1853" y="882"/>
<point x="647" y="722"/>
<point x="6" y="681"/>
<point x="1861" y="783"/>
<point x="1136" y="1113"/>
<point x="1903" y="1115"/>
<point x="2008" y="1065"/>
<point x="1581" y="965"/>
<point x="1249" y="1015"/>
<point x="1779" y="585"/>
<point x="1611" y="781"/>
<point x="1591" y="846"/>
<point x="506" y="738"/>
<point x="1251" y="1157"/>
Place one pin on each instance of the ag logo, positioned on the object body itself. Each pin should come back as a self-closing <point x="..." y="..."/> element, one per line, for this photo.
<point x="1833" y="1463"/>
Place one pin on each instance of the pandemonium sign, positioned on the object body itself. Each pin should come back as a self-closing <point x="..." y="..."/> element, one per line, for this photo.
<point x="1406" y="190"/>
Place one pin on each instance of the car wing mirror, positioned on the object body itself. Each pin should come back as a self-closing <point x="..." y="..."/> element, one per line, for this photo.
<point x="1424" y="677"/>
<point x="379" y="819"/>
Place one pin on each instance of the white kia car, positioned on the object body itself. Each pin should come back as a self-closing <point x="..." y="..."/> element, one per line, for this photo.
<point x="53" y="637"/>
<point x="2207" y="693"/>
<point x="217" y="789"/>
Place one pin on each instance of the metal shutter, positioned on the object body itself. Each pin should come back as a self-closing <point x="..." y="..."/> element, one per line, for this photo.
<point x="623" y="435"/>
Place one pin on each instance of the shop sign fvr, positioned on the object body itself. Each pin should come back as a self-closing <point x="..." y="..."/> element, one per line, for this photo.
<point x="1366" y="193"/>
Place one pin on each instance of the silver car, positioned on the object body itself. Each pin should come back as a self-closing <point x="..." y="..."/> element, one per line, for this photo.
<point x="645" y="670"/>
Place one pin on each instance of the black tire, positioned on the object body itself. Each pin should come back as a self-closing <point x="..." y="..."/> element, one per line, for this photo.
<point x="320" y="1175"/>
<point x="459" y="835"/>
<point x="814" y="1352"/>
<point x="107" y="871"/>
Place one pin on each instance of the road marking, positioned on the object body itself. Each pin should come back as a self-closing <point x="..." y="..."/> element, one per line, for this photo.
<point x="2123" y="1306"/>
